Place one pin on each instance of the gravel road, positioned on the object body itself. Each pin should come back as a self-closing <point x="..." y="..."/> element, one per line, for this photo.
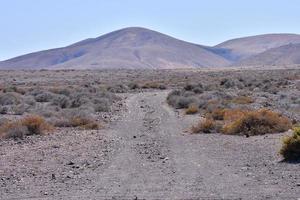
<point x="148" y="154"/>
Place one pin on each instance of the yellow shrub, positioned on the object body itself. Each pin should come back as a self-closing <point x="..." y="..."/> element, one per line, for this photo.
<point x="36" y="125"/>
<point x="205" y="126"/>
<point x="30" y="125"/>
<point x="242" y="100"/>
<point x="291" y="146"/>
<point x="257" y="123"/>
<point x="192" y="109"/>
<point x="84" y="123"/>
<point x="234" y="114"/>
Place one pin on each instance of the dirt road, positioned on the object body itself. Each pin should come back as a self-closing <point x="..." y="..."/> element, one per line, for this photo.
<point x="149" y="156"/>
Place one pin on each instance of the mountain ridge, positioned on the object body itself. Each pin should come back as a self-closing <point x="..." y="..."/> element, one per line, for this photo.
<point x="137" y="47"/>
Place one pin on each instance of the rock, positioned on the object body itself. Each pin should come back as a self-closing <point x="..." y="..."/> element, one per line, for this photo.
<point x="53" y="176"/>
<point x="70" y="163"/>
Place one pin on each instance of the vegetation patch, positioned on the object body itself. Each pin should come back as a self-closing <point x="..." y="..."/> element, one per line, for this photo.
<point x="291" y="146"/>
<point x="205" y="126"/>
<point x="29" y="125"/>
<point x="257" y="122"/>
<point x="192" y="109"/>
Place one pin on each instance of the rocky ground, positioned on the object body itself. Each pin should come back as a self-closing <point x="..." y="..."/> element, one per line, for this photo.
<point x="148" y="153"/>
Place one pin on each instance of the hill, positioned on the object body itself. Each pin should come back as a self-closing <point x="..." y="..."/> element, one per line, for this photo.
<point x="125" y="48"/>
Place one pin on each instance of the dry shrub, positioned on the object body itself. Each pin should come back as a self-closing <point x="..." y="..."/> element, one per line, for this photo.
<point x="205" y="126"/>
<point x="234" y="114"/>
<point x="192" y="109"/>
<point x="36" y="125"/>
<point x="30" y="125"/>
<point x="242" y="100"/>
<point x="258" y="123"/>
<point x="291" y="146"/>
<point x="84" y="123"/>
<point x="216" y="114"/>
<point x="226" y="114"/>
<point x="154" y="85"/>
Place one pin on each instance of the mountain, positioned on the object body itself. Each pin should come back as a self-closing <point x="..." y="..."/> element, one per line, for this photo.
<point x="241" y="48"/>
<point x="126" y="48"/>
<point x="283" y="55"/>
<point x="137" y="47"/>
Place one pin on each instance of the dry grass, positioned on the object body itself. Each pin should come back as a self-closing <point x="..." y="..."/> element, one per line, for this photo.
<point x="29" y="125"/>
<point x="205" y="126"/>
<point x="36" y="125"/>
<point x="242" y="100"/>
<point x="257" y="123"/>
<point x="291" y="146"/>
<point x="84" y="123"/>
<point x="192" y="109"/>
<point x="234" y="114"/>
<point x="226" y="114"/>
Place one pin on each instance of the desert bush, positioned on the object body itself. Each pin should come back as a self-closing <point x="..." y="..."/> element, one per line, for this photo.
<point x="133" y="86"/>
<point x="84" y="123"/>
<point x="10" y="98"/>
<point x="291" y="146"/>
<point x="75" y="118"/>
<point x="242" y="100"/>
<point x="10" y="89"/>
<point x="234" y="114"/>
<point x="258" y="123"/>
<point x="44" y="96"/>
<point x="79" y="99"/>
<point x="205" y="126"/>
<point x="13" y="130"/>
<point x="216" y="114"/>
<point x="154" y="85"/>
<point x="192" y="109"/>
<point x="44" y="110"/>
<point x="101" y="105"/>
<point x="227" y="83"/>
<point x="3" y="121"/>
<point x="198" y="90"/>
<point x="29" y="100"/>
<point x="36" y="125"/>
<point x="62" y="101"/>
<point x="194" y="87"/>
<point x="120" y="88"/>
<point x="184" y="102"/>
<point x="29" y="125"/>
<point x="3" y="110"/>
<point x="20" y="109"/>
<point x="62" y="91"/>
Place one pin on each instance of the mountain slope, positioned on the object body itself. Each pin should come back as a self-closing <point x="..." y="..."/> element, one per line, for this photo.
<point x="284" y="55"/>
<point x="126" y="48"/>
<point x="241" y="48"/>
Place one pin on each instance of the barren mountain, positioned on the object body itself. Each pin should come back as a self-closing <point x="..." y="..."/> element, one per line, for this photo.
<point x="284" y="55"/>
<point x="241" y="48"/>
<point x="126" y="48"/>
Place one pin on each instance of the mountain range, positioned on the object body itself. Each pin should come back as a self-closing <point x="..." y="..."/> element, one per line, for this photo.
<point x="137" y="47"/>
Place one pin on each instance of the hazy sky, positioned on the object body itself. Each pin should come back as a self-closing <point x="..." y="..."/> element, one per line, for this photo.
<point x="31" y="25"/>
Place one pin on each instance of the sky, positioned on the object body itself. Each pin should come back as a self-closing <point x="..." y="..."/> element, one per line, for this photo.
<point x="33" y="25"/>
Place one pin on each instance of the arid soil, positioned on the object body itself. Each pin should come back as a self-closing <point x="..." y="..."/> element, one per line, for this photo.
<point x="148" y="153"/>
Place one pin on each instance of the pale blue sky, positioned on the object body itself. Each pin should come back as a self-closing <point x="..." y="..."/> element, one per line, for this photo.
<point x="31" y="25"/>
